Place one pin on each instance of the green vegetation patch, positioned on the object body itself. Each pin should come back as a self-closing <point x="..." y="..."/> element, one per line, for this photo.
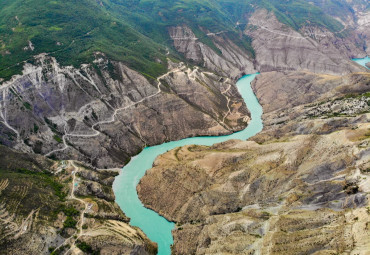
<point x="29" y="190"/>
<point x="58" y="139"/>
<point x="71" y="31"/>
<point x="297" y="13"/>
<point x="135" y="31"/>
<point x="30" y="186"/>
<point x="86" y="248"/>
<point x="69" y="222"/>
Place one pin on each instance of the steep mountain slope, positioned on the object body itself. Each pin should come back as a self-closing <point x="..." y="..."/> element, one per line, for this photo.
<point x="134" y="32"/>
<point x="53" y="207"/>
<point x="299" y="187"/>
<point x="97" y="81"/>
<point x="126" y="60"/>
<point x="279" y="47"/>
<point x="104" y="113"/>
<point x="71" y="31"/>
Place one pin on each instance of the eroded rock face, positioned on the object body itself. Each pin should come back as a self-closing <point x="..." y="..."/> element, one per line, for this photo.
<point x="335" y="99"/>
<point x="300" y="186"/>
<point x="105" y="113"/>
<point x="286" y="191"/>
<point x="363" y="27"/>
<point x="232" y="61"/>
<point x="279" y="47"/>
<point x="228" y="180"/>
<point x="283" y="90"/>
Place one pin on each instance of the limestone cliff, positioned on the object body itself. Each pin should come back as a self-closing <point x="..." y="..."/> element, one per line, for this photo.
<point x="363" y="26"/>
<point x="277" y="47"/>
<point x="283" y="90"/>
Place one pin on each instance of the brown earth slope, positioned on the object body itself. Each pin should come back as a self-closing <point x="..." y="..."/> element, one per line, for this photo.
<point x="61" y="208"/>
<point x="300" y="187"/>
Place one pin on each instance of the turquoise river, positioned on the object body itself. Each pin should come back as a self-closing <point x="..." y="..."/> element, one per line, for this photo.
<point x="157" y="228"/>
<point x="362" y="61"/>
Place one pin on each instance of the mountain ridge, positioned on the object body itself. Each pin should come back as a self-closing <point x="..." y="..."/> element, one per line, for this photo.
<point x="53" y="28"/>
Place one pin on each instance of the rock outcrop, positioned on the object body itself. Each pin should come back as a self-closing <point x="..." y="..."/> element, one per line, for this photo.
<point x="230" y="61"/>
<point x="301" y="186"/>
<point x="363" y="27"/>
<point x="283" y="90"/>
<point x="279" y="47"/>
<point x="104" y="113"/>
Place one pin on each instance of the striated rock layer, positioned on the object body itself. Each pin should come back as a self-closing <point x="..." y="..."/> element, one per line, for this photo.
<point x="279" y="47"/>
<point x="105" y="112"/>
<point x="299" y="187"/>
<point x="363" y="27"/>
<point x="228" y="59"/>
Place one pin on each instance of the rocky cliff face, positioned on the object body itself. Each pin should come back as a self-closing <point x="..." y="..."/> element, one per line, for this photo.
<point x="49" y="206"/>
<point x="283" y="90"/>
<point x="268" y="199"/>
<point x="363" y="27"/>
<point x="300" y="187"/>
<point x="231" y="60"/>
<point x="279" y="47"/>
<point x="105" y="112"/>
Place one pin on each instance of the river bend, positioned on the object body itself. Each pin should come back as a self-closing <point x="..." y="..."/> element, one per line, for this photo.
<point x="157" y="228"/>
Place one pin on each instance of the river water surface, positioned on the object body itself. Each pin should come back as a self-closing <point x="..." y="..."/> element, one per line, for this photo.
<point x="362" y="61"/>
<point x="157" y="228"/>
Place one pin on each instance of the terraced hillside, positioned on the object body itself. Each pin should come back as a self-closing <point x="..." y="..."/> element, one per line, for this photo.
<point x="55" y="207"/>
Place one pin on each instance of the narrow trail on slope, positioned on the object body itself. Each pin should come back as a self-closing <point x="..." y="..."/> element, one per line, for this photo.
<point x="292" y="36"/>
<point x="96" y="132"/>
<point x="3" y="114"/>
<point x="81" y="221"/>
<point x="228" y="103"/>
<point x="113" y="117"/>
